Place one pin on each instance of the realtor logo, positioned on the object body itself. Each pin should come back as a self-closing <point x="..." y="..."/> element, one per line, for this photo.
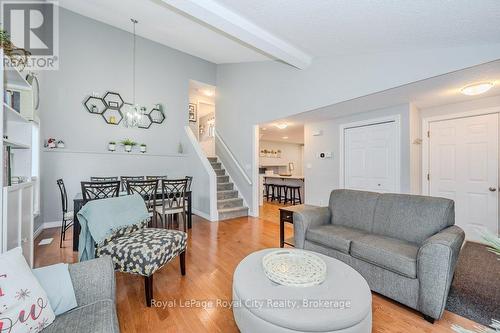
<point x="33" y="26"/>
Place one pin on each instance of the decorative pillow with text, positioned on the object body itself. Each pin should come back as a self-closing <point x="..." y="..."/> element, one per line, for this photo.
<point x="24" y="305"/>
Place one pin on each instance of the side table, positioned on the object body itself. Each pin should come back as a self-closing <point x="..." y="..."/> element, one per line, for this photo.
<point x="286" y="216"/>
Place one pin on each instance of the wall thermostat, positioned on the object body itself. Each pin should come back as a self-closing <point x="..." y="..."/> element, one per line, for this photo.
<point x="326" y="154"/>
<point x="317" y="133"/>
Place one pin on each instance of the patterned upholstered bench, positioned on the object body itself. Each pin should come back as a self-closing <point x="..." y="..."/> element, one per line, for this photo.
<point x="143" y="251"/>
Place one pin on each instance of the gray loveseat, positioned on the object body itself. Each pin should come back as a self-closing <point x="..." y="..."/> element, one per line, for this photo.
<point x="94" y="284"/>
<point x="405" y="246"/>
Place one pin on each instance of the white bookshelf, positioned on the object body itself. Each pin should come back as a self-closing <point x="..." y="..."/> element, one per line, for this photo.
<point x="20" y="202"/>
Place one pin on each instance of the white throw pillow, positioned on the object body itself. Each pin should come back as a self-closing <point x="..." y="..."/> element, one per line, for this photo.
<point x="24" y="305"/>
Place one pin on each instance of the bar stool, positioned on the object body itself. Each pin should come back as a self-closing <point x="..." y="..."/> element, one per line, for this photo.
<point x="268" y="188"/>
<point x="294" y="194"/>
<point x="281" y="193"/>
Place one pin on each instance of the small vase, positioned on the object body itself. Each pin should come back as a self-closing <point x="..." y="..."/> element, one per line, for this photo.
<point x="128" y="148"/>
<point x="111" y="147"/>
<point x="143" y="149"/>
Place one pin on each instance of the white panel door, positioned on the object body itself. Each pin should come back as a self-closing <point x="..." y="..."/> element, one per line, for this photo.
<point x="463" y="166"/>
<point x="370" y="158"/>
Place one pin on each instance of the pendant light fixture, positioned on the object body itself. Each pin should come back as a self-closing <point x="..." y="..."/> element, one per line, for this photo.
<point x="133" y="113"/>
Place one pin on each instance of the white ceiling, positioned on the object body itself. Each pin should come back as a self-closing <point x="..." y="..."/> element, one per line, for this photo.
<point x="294" y="132"/>
<point x="428" y="93"/>
<point x="343" y="27"/>
<point x="315" y="27"/>
<point x="161" y="24"/>
<point x="440" y="90"/>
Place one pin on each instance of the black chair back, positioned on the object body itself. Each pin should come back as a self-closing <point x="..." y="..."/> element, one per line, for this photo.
<point x="103" y="179"/>
<point x="64" y="195"/>
<point x="148" y="189"/>
<point x="124" y="180"/>
<point x="99" y="190"/>
<point x="174" y="193"/>
<point x="189" y="182"/>
<point x="156" y="177"/>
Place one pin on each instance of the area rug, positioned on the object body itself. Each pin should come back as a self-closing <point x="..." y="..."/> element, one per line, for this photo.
<point x="475" y="290"/>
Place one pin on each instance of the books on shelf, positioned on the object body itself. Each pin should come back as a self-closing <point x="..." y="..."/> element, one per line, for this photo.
<point x="7" y="168"/>
<point x="13" y="99"/>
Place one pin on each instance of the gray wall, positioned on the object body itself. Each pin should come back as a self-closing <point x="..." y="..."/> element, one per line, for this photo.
<point x="323" y="175"/>
<point x="95" y="57"/>
<point x="254" y="93"/>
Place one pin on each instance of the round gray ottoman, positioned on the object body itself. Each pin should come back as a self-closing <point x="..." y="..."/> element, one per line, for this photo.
<point x="342" y="303"/>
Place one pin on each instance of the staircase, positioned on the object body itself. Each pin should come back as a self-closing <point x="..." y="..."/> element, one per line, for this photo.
<point x="229" y="204"/>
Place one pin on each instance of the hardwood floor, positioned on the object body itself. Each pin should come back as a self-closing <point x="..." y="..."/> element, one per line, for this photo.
<point x="214" y="251"/>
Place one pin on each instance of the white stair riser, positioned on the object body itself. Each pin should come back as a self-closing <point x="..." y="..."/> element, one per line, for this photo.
<point x="233" y="214"/>
<point x="236" y="202"/>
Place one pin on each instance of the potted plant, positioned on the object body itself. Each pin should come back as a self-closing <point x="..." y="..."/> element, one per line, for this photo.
<point x="128" y="144"/>
<point x="111" y="146"/>
<point x="143" y="147"/>
<point x="18" y="56"/>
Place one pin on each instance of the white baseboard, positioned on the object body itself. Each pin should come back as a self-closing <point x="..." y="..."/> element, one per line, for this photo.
<point x="46" y="225"/>
<point x="54" y="224"/>
<point x="57" y="224"/>
<point x="38" y="231"/>
<point x="202" y="214"/>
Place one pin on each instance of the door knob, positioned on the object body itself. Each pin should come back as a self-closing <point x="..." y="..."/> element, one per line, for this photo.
<point x="492" y="189"/>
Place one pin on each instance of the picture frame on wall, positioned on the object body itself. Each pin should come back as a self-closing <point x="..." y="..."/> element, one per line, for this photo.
<point x="192" y="112"/>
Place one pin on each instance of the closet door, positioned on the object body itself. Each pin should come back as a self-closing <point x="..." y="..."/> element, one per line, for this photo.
<point x="370" y="158"/>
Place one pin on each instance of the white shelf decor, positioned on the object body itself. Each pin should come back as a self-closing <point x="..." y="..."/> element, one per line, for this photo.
<point x="15" y="145"/>
<point x="137" y="153"/>
<point x="19" y="132"/>
<point x="18" y="219"/>
<point x="15" y="80"/>
<point x="12" y="115"/>
<point x="294" y="268"/>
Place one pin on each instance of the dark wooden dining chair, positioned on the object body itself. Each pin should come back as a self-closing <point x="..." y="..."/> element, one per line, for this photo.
<point x="173" y="201"/>
<point x="189" y="182"/>
<point x="103" y="179"/>
<point x="148" y="189"/>
<point x="124" y="180"/>
<point x="99" y="190"/>
<point x="67" y="217"/>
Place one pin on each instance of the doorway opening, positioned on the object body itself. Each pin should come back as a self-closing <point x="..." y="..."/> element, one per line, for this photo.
<point x="281" y="180"/>
<point x="202" y="115"/>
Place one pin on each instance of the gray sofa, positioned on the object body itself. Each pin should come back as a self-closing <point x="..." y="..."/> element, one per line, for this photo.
<point x="94" y="284"/>
<point x="405" y="246"/>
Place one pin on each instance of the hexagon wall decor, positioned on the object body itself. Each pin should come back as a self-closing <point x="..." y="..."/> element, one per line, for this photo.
<point x="113" y="100"/>
<point x="145" y="121"/>
<point x="95" y="105"/>
<point x="157" y="115"/>
<point x="112" y="109"/>
<point x="112" y="116"/>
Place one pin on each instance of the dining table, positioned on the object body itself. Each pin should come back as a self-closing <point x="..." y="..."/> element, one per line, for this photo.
<point x="78" y="204"/>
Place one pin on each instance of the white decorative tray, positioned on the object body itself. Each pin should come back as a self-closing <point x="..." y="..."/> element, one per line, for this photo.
<point x="294" y="268"/>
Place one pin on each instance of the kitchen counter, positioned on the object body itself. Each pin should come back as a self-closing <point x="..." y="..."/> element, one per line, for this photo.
<point x="295" y="177"/>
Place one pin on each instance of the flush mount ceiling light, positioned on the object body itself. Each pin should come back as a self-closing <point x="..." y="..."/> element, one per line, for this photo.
<point x="208" y="93"/>
<point x="281" y="125"/>
<point x="476" y="88"/>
